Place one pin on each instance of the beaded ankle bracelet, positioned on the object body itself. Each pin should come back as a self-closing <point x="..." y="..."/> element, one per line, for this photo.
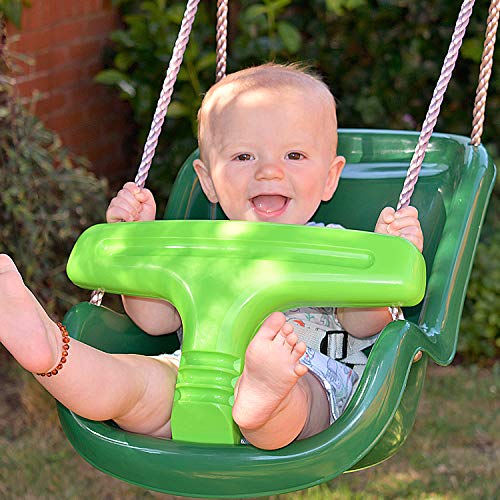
<point x="65" y="339"/>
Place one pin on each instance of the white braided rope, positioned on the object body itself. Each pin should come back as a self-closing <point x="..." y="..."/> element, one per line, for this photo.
<point x="221" y="39"/>
<point x="161" y="108"/>
<point x="166" y="92"/>
<point x="96" y="297"/>
<point x="435" y="104"/>
<point x="485" y="73"/>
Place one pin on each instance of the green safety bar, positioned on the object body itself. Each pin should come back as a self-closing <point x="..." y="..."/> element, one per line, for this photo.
<point x="225" y="278"/>
<point x="452" y="195"/>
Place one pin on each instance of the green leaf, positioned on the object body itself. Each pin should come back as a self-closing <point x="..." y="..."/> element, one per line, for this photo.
<point x="177" y="110"/>
<point x="176" y="13"/>
<point x="110" y="77"/>
<point x="472" y="49"/>
<point x="277" y="5"/>
<point x="205" y="61"/>
<point x="183" y="75"/>
<point x="290" y="36"/>
<point x="338" y="6"/>
<point x="12" y="10"/>
<point x="122" y="38"/>
<point x="116" y="78"/>
<point x="124" y="60"/>
<point x="254" y="11"/>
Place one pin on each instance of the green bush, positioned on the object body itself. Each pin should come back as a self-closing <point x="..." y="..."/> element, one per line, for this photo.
<point x="480" y="327"/>
<point x="381" y="59"/>
<point x="12" y="10"/>
<point x="48" y="198"/>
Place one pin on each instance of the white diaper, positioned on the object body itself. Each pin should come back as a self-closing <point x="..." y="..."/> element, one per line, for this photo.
<point x="337" y="379"/>
<point x="174" y="356"/>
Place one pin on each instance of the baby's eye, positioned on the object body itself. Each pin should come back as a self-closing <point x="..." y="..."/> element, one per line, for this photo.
<point x="294" y="155"/>
<point x="244" y="157"/>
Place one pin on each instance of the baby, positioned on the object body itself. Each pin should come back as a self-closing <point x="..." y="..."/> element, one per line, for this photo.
<point x="267" y="138"/>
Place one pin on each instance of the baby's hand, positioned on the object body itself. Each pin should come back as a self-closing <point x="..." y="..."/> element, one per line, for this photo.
<point x="402" y="223"/>
<point x="131" y="204"/>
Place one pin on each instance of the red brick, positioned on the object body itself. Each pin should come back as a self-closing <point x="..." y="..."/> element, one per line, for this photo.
<point x="40" y="82"/>
<point x="66" y="76"/>
<point x="65" y="39"/>
<point x="49" y="104"/>
<point x="50" y="12"/>
<point x="85" y="49"/>
<point x="32" y="42"/>
<point x="91" y="6"/>
<point x="87" y="131"/>
<point x="63" y="123"/>
<point x="81" y="95"/>
<point x="92" y="68"/>
<point x="52" y="58"/>
<point x="69" y="31"/>
<point x="31" y="18"/>
<point x="103" y="23"/>
<point x="107" y="5"/>
<point x="25" y="68"/>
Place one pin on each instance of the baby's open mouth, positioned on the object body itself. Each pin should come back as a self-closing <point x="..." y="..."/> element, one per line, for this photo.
<point x="270" y="204"/>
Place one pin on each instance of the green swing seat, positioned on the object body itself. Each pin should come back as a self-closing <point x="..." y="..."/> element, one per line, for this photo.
<point x="452" y="195"/>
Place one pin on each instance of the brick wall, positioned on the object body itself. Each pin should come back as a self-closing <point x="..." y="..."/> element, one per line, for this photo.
<point x="65" y="41"/>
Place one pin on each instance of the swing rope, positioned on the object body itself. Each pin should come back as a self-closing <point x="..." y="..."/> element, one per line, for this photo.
<point x="485" y="73"/>
<point x="221" y="39"/>
<point x="427" y="127"/>
<point x="435" y="104"/>
<point x="166" y="92"/>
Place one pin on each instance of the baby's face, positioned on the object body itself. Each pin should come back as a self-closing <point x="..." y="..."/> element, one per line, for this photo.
<point x="270" y="156"/>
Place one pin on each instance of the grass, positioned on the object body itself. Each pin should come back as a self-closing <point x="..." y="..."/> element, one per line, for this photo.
<point x="452" y="453"/>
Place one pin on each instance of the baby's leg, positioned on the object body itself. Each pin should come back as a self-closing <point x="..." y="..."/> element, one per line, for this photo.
<point x="135" y="391"/>
<point x="276" y="399"/>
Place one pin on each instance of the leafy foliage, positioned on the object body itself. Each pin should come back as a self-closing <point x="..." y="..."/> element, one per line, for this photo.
<point x="12" y="10"/>
<point x="382" y="61"/>
<point x="48" y="195"/>
<point x="48" y="198"/>
<point x="480" y="327"/>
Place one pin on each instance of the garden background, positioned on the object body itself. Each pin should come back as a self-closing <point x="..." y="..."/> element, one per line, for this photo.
<point x="380" y="58"/>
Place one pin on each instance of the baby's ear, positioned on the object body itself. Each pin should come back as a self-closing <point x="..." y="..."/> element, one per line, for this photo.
<point x="332" y="181"/>
<point x="203" y="173"/>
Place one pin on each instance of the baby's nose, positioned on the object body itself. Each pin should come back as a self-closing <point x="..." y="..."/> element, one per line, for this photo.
<point x="269" y="170"/>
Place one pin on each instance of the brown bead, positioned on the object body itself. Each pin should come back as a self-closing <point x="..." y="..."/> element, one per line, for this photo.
<point x="65" y="339"/>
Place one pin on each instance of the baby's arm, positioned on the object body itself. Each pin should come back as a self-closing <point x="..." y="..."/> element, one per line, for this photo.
<point x="368" y="322"/>
<point x="154" y="316"/>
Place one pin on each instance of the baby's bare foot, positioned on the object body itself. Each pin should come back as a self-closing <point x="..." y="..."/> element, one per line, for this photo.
<point x="271" y="372"/>
<point x="25" y="329"/>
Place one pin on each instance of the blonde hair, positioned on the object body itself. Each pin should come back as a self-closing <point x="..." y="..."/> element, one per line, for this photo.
<point x="266" y="76"/>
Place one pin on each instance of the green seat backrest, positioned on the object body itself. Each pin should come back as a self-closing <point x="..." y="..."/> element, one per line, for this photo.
<point x="377" y="162"/>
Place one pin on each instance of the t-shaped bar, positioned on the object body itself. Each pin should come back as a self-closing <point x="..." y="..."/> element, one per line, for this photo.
<point x="225" y="277"/>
